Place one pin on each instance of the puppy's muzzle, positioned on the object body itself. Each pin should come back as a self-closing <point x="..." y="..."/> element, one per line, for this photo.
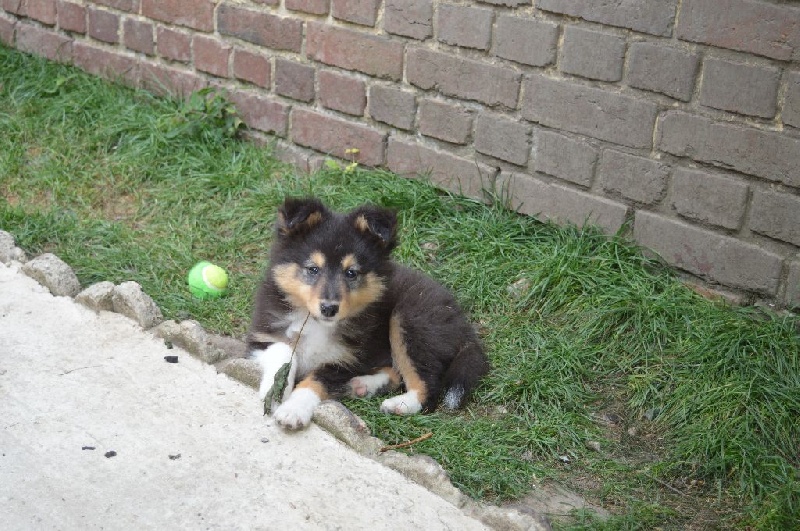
<point x="328" y="309"/>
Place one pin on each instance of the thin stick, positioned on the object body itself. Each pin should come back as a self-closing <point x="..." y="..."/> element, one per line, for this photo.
<point x="407" y="443"/>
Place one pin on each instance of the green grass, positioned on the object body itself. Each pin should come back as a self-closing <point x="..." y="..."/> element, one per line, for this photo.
<point x="125" y="186"/>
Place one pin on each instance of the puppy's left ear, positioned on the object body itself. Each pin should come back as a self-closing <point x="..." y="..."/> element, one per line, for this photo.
<point x="376" y="222"/>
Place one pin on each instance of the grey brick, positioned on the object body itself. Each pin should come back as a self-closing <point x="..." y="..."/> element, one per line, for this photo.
<point x="469" y="27"/>
<point x="562" y="204"/>
<point x="502" y="138"/>
<point x="710" y="255"/>
<point x="748" y="150"/>
<point x="392" y="106"/>
<point x="745" y="25"/>
<point x="648" y="16"/>
<point x="592" y="54"/>
<point x="507" y="3"/>
<point x="792" y="292"/>
<point x="742" y="88"/>
<point x="711" y="198"/>
<point x="637" y="178"/>
<point x="459" y="175"/>
<point x="295" y="80"/>
<point x="409" y="18"/>
<point x="564" y="157"/>
<point x="526" y="41"/>
<point x="451" y="123"/>
<point x="662" y="69"/>
<point x="791" y="107"/>
<point x="589" y="111"/>
<point x="776" y="215"/>
<point x="463" y="78"/>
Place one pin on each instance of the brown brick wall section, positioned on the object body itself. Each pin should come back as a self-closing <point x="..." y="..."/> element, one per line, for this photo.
<point x="679" y="120"/>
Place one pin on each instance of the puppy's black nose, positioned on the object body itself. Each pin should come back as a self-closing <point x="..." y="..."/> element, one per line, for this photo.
<point x="328" y="309"/>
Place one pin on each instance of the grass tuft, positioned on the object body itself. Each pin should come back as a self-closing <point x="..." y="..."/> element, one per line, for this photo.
<point x="126" y="186"/>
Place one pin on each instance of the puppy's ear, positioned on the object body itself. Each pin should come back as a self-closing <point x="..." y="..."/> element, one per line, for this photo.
<point x="299" y="215"/>
<point x="376" y="222"/>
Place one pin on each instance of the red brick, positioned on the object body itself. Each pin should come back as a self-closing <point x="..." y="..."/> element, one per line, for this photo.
<point x="43" y="10"/>
<point x="342" y="93"/>
<point x="72" y="17"/>
<point x="459" y="175"/>
<point x="138" y="36"/>
<point x="295" y="80"/>
<point x="101" y="62"/>
<point x="261" y="113"/>
<point x="744" y="25"/>
<point x="129" y="6"/>
<point x="314" y="7"/>
<point x="334" y="136"/>
<point x="7" y="27"/>
<point x="252" y="67"/>
<point x="167" y="80"/>
<point x="352" y="50"/>
<point x="174" y="44"/>
<point x="264" y="29"/>
<point x="44" y="42"/>
<point x="198" y="14"/>
<point x="211" y="55"/>
<point x="103" y="25"/>
<point x="357" y="11"/>
<point x="17" y="7"/>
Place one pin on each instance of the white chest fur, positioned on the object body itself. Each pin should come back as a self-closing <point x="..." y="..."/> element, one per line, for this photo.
<point x="317" y="345"/>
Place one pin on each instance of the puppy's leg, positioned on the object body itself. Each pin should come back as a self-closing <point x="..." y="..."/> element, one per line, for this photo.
<point x="384" y="380"/>
<point x="416" y="394"/>
<point x="271" y="360"/>
<point x="297" y="410"/>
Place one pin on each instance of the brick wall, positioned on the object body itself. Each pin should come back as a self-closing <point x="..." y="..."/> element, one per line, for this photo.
<point x="681" y="118"/>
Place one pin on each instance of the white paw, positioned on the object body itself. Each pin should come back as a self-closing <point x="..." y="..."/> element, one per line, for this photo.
<point x="297" y="411"/>
<point x="368" y="385"/>
<point x="405" y="404"/>
<point x="271" y="360"/>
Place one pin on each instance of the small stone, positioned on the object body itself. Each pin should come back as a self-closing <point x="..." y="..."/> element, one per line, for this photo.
<point x="593" y="445"/>
<point x="110" y="453"/>
<point x="633" y="431"/>
<point x="519" y="288"/>
<point x="129" y="300"/>
<point x="97" y="297"/>
<point x="54" y="274"/>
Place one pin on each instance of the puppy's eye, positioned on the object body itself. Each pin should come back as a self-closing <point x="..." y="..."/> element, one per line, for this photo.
<point x="351" y="274"/>
<point x="313" y="270"/>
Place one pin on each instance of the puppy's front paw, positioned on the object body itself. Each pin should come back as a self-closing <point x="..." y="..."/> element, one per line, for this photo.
<point x="298" y="409"/>
<point x="405" y="404"/>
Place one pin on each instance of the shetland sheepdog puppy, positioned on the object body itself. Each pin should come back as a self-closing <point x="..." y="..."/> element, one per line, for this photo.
<point x="355" y="323"/>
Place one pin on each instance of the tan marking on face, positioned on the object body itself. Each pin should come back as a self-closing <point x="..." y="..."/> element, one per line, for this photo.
<point x="300" y="294"/>
<point x="361" y="224"/>
<point x="356" y="300"/>
<point x="402" y="361"/>
<point x="318" y="259"/>
<point x="310" y="382"/>
<point x="349" y="261"/>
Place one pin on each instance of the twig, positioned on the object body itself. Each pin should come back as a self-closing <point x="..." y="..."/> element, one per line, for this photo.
<point x="665" y="484"/>
<point x="407" y="443"/>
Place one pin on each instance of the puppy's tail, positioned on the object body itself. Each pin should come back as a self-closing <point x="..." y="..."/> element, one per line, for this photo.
<point x="464" y="373"/>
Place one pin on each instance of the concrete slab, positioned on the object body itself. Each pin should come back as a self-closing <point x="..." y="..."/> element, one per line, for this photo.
<point x="191" y="448"/>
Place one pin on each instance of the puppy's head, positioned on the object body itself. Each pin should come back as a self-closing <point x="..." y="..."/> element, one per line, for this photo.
<point x="328" y="264"/>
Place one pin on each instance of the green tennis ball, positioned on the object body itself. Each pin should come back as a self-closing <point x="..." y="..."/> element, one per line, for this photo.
<point x="207" y="281"/>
